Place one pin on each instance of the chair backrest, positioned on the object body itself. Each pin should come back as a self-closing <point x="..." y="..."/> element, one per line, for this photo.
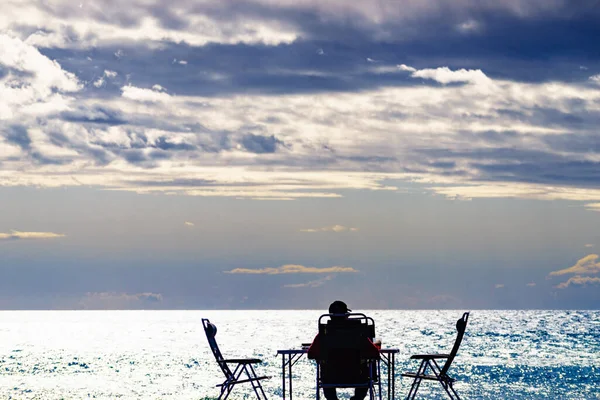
<point x="367" y="323"/>
<point x="461" y="325"/>
<point x="211" y="331"/>
<point x="343" y="343"/>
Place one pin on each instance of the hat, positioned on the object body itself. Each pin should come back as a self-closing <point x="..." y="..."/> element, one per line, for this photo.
<point x="338" y="307"/>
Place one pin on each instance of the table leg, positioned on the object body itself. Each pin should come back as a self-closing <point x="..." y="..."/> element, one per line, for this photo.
<point x="393" y="367"/>
<point x="389" y="387"/>
<point x="290" y="376"/>
<point x="283" y="374"/>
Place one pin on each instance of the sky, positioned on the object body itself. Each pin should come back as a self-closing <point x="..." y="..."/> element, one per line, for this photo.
<point x="263" y="154"/>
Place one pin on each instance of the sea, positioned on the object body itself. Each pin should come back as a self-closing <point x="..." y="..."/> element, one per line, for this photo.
<point x="165" y="355"/>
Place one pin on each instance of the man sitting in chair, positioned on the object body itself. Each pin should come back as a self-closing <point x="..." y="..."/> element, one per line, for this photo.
<point x="344" y="366"/>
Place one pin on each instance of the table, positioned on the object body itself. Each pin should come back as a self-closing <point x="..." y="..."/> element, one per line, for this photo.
<point x="291" y="357"/>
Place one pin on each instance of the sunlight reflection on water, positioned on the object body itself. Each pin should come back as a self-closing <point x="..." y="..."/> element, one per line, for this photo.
<point x="165" y="355"/>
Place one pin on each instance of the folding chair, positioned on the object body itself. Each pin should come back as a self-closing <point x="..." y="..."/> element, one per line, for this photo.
<point x="241" y="366"/>
<point x="438" y="374"/>
<point x="343" y="363"/>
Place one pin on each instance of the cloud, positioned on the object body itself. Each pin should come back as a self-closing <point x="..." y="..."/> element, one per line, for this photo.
<point x="102" y="80"/>
<point x="116" y="301"/>
<point x="531" y="284"/>
<point x="154" y="95"/>
<point x="595" y="78"/>
<point x="311" y="284"/>
<point x="33" y="84"/>
<point x="593" y="206"/>
<point x="281" y="104"/>
<point x="445" y="75"/>
<point x="292" y="269"/>
<point x="333" y="228"/>
<point x="17" y="235"/>
<point x="497" y="145"/>
<point x="187" y="223"/>
<point x="469" y="26"/>
<point x="499" y="286"/>
<point x="589" y="245"/>
<point x="586" y="265"/>
<point x="579" y="281"/>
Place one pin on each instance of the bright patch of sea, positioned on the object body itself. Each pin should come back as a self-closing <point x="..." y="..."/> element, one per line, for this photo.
<point x="165" y="355"/>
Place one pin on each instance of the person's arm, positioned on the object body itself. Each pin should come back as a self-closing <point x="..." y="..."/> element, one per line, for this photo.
<point x="371" y="351"/>
<point x="315" y="349"/>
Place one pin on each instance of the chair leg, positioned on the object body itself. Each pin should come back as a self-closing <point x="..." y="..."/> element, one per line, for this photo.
<point x="451" y="392"/>
<point x="317" y="383"/>
<point x="414" y="388"/>
<point x="379" y="377"/>
<point x="256" y="385"/>
<point x="225" y="390"/>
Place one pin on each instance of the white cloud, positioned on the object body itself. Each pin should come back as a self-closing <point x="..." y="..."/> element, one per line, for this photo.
<point x="187" y="223"/>
<point x="593" y="206"/>
<point x="39" y="90"/>
<point x="291" y="269"/>
<point x="595" y="78"/>
<point x="578" y="281"/>
<point x="587" y="265"/>
<point x="445" y="75"/>
<point x="326" y="132"/>
<point x="154" y="95"/>
<point x="106" y="75"/>
<point x="333" y="228"/>
<point x="499" y="286"/>
<point x="17" y="235"/>
<point x="59" y="21"/>
<point x="404" y="67"/>
<point x="469" y="26"/>
<point x="531" y="284"/>
<point x="589" y="245"/>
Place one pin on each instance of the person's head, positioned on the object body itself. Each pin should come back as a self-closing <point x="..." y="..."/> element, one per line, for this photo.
<point x="338" y="307"/>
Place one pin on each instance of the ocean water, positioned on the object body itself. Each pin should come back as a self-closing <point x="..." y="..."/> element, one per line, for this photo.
<point x="165" y="355"/>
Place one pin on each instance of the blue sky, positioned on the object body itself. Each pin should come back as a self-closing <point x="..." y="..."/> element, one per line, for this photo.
<point x="282" y="154"/>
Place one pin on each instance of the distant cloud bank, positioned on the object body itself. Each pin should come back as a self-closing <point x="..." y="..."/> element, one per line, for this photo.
<point x="292" y="269"/>
<point x="113" y="300"/>
<point x="285" y="100"/>
<point x="584" y="267"/>
<point x="333" y="228"/>
<point x="310" y="284"/>
<point x="17" y="235"/>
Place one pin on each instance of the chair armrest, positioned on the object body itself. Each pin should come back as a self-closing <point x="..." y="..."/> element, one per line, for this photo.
<point x="243" y="360"/>
<point x="428" y="356"/>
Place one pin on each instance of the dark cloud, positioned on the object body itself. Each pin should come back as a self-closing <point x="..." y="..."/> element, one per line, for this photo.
<point x="576" y="143"/>
<point x="164" y="144"/>
<point x="332" y="54"/>
<point x="18" y="135"/>
<point x="97" y="115"/>
<point x="260" y="144"/>
<point x="520" y="165"/>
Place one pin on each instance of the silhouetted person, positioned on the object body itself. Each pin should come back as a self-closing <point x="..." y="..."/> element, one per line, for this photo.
<point x="345" y="367"/>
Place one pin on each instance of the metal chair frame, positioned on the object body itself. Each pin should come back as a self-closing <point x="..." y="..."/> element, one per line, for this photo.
<point x="428" y="361"/>
<point x="242" y="366"/>
<point x="372" y="364"/>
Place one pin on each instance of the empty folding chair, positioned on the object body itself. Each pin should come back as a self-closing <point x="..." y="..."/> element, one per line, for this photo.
<point x="428" y="362"/>
<point x="242" y="366"/>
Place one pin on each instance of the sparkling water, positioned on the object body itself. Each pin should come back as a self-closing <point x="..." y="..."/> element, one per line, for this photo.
<point x="165" y="354"/>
